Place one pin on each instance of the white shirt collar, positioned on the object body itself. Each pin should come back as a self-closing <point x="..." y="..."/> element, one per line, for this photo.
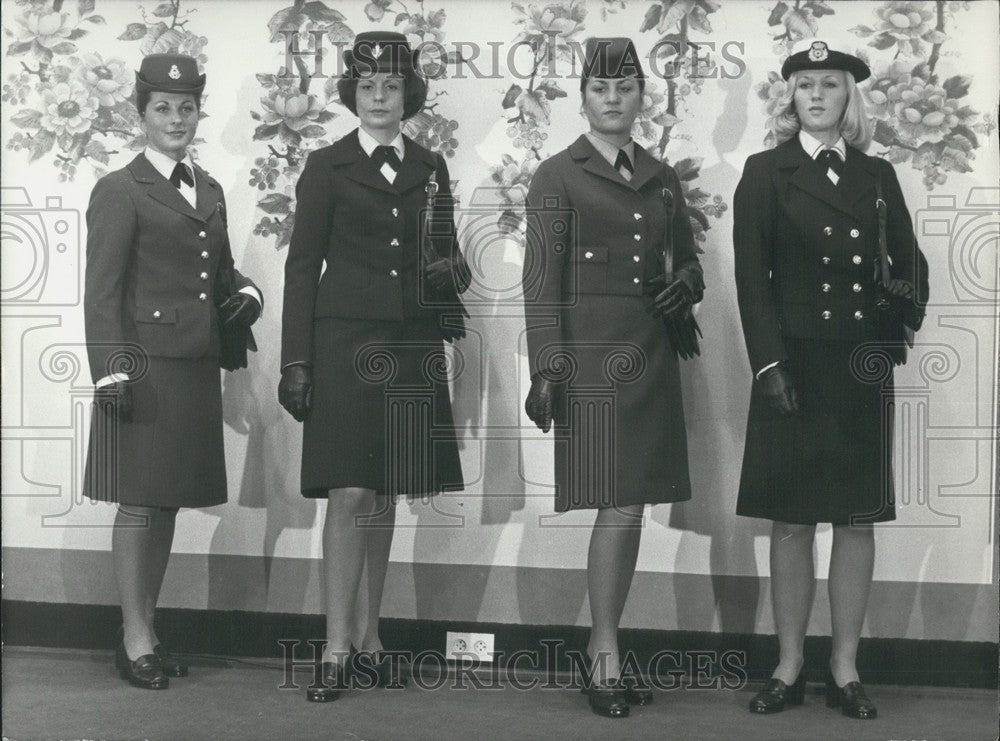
<point x="609" y="151"/>
<point x="814" y="146"/>
<point x="164" y="164"/>
<point x="369" y="142"/>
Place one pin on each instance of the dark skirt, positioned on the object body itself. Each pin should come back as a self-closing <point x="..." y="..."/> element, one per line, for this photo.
<point x="171" y="453"/>
<point x="381" y="412"/>
<point x="833" y="461"/>
<point x="619" y="427"/>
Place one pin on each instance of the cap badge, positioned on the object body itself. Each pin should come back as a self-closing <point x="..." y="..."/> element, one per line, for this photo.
<point x="818" y="51"/>
<point x="378" y="50"/>
<point x="174" y="73"/>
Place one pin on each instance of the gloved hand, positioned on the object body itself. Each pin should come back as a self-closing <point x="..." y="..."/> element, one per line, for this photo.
<point x="240" y="308"/>
<point x="675" y="299"/>
<point x="538" y="405"/>
<point x="900" y="288"/>
<point x="776" y="385"/>
<point x="439" y="274"/>
<point x="295" y="391"/>
<point x="115" y="399"/>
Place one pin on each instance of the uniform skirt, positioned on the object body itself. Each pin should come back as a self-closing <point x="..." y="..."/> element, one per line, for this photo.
<point x="832" y="461"/>
<point x="171" y="453"/>
<point x="619" y="420"/>
<point x="381" y="413"/>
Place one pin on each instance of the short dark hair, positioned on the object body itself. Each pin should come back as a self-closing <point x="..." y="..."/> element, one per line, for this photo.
<point x="142" y="99"/>
<point x="414" y="94"/>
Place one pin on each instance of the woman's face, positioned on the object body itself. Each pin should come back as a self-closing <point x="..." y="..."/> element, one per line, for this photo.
<point x="170" y="122"/>
<point x="611" y="105"/>
<point x="820" y="98"/>
<point x="379" y="102"/>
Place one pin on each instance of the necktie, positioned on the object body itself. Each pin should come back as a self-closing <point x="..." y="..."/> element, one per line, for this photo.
<point x="833" y="164"/>
<point x="386" y="155"/>
<point x="181" y="173"/>
<point x="624" y="165"/>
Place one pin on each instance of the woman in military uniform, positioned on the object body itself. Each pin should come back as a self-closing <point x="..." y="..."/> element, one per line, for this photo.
<point x="600" y="215"/>
<point x="362" y="356"/>
<point x="819" y="433"/>
<point x="163" y="307"/>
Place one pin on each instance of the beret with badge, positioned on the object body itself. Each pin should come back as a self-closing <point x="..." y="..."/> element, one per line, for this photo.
<point x="816" y="54"/>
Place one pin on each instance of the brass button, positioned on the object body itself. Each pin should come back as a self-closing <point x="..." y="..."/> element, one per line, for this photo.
<point x="635" y="280"/>
<point x="827" y="314"/>
<point x="635" y="258"/>
<point x="826" y="288"/>
<point x="855" y="233"/>
<point x="588" y="254"/>
<point x="827" y="230"/>
<point x="856" y="288"/>
<point x="203" y="297"/>
<point x="636" y="237"/>
<point x="638" y="217"/>
<point x="204" y="254"/>
<point x="202" y="235"/>
<point x="856" y="259"/>
<point x="395" y="212"/>
<point x="826" y="260"/>
<point x="203" y="276"/>
<point x="859" y="315"/>
<point x="393" y="273"/>
<point x="156" y="314"/>
<point x="394" y="242"/>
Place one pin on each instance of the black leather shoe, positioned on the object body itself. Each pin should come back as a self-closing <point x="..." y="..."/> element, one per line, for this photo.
<point x="328" y="684"/>
<point x="776" y="695"/>
<point x="145" y="672"/>
<point x="851" y="699"/>
<point x="638" y="696"/>
<point x="376" y="669"/>
<point x="171" y="666"/>
<point x="608" y="699"/>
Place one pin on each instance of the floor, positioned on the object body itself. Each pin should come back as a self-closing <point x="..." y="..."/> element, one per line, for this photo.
<point x="64" y="694"/>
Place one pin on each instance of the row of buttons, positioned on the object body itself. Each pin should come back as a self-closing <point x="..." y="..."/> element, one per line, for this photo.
<point x="828" y="230"/>
<point x="859" y="315"/>
<point x="856" y="288"/>
<point x="856" y="260"/>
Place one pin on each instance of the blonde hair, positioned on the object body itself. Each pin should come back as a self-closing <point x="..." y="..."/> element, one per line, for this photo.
<point x="855" y="125"/>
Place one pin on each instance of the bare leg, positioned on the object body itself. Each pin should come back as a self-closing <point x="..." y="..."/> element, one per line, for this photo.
<point x="379" y="527"/>
<point x="852" y="561"/>
<point x="140" y="547"/>
<point x="614" y="547"/>
<point x="793" y="585"/>
<point x="343" y="560"/>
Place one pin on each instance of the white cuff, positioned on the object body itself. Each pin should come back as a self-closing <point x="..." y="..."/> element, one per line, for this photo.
<point x="113" y="378"/>
<point x="254" y="294"/>
<point x="769" y="365"/>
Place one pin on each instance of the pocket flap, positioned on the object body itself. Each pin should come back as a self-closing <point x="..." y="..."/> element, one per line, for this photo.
<point x="591" y="254"/>
<point x="156" y="314"/>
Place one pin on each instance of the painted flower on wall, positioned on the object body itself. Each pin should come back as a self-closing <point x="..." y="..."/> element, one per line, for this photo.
<point x="67" y="108"/>
<point x="299" y="112"/>
<point x="46" y="32"/>
<point x="110" y="82"/>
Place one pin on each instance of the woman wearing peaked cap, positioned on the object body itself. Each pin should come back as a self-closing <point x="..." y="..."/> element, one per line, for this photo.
<point x="812" y="281"/>
<point x="603" y="211"/>
<point x="361" y="341"/>
<point x="164" y="307"/>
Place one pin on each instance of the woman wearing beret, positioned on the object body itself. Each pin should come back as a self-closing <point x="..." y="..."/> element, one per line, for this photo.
<point x="361" y="345"/>
<point x="819" y="434"/>
<point x="163" y="307"/>
<point x="601" y="214"/>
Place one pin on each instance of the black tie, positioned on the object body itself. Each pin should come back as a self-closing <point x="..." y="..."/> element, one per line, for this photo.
<point x="831" y="160"/>
<point x="622" y="160"/>
<point x="181" y="173"/>
<point x="386" y="155"/>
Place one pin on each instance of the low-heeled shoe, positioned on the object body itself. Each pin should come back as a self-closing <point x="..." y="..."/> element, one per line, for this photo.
<point x="329" y="682"/>
<point x="608" y="699"/>
<point x="171" y="666"/>
<point x="776" y="695"/>
<point x="851" y="699"/>
<point x="637" y="691"/>
<point x="145" y="672"/>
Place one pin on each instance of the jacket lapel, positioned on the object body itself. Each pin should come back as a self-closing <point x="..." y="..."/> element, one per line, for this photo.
<point x="418" y="164"/>
<point x="359" y="166"/>
<point x="208" y="194"/>
<point x="159" y="188"/>
<point x="857" y="182"/>
<point x="807" y="175"/>
<point x="646" y="168"/>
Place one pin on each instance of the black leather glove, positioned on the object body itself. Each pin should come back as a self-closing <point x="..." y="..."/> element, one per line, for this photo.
<point x="900" y="288"/>
<point x="295" y="391"/>
<point x="776" y="385"/>
<point x="240" y="308"/>
<point x="675" y="299"/>
<point x="115" y="399"/>
<point x="538" y="405"/>
<point x="439" y="274"/>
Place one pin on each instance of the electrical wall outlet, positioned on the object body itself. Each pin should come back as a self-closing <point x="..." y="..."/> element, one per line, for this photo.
<point x="466" y="646"/>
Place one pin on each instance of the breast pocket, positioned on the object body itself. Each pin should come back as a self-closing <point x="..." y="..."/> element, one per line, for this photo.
<point x="589" y="270"/>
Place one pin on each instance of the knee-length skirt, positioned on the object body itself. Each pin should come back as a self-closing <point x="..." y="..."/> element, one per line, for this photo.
<point x="381" y="412"/>
<point x="832" y="461"/>
<point x="171" y="453"/>
<point x="619" y="430"/>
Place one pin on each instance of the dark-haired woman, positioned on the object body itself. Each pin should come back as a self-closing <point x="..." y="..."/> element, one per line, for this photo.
<point x="161" y="304"/>
<point x="362" y="353"/>
<point x="808" y="271"/>
<point x="602" y="368"/>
